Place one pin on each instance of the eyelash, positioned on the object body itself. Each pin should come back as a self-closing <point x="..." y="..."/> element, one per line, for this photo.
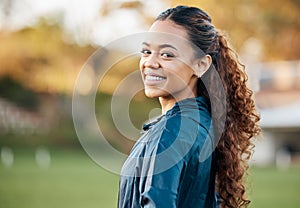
<point x="166" y="55"/>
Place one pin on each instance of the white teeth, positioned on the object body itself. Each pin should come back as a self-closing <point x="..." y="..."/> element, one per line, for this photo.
<point x="154" y="78"/>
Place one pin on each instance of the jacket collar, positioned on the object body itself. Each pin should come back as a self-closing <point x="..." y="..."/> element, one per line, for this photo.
<point x="189" y="104"/>
<point x="196" y="103"/>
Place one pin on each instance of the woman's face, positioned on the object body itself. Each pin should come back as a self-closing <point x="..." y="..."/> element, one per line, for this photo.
<point x="167" y="62"/>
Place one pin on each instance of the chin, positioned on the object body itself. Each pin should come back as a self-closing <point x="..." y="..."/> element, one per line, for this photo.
<point x="154" y="93"/>
<point x="151" y="95"/>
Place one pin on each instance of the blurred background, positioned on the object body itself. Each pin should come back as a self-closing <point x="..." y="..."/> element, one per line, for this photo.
<point x="43" y="46"/>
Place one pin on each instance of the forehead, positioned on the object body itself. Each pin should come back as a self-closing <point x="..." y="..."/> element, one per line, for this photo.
<point x="167" y="33"/>
<point x="170" y="27"/>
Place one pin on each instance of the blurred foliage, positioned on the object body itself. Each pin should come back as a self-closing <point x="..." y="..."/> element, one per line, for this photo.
<point x="276" y="24"/>
<point x="43" y="58"/>
<point x="18" y="94"/>
<point x="39" y="57"/>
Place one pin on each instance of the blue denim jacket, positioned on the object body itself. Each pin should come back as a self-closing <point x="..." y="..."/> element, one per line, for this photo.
<point x="173" y="163"/>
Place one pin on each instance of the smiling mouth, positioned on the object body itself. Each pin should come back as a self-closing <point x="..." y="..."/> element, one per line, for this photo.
<point x="154" y="78"/>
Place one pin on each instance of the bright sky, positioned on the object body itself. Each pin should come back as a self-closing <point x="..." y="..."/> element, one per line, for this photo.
<point x="81" y="17"/>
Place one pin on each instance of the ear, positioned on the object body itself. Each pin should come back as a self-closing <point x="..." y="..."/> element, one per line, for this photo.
<point x="202" y="65"/>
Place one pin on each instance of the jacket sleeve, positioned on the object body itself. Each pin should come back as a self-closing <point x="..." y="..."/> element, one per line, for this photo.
<point x="161" y="189"/>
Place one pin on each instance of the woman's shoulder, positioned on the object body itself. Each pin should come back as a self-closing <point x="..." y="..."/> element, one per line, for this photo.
<point x="182" y="132"/>
<point x="186" y="122"/>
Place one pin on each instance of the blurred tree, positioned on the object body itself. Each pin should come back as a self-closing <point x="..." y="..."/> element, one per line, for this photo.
<point x="15" y="92"/>
<point x="40" y="58"/>
<point x="281" y="28"/>
<point x="275" y="23"/>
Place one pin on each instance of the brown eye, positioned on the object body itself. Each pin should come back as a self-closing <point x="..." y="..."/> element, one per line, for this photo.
<point x="145" y="52"/>
<point x="167" y="55"/>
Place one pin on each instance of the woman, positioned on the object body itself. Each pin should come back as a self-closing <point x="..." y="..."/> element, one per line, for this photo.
<point x="178" y="161"/>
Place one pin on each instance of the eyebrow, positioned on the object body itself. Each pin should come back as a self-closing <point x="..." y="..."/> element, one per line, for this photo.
<point x="160" y="46"/>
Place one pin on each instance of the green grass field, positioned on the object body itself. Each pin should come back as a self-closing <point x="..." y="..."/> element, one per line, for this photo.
<point x="73" y="180"/>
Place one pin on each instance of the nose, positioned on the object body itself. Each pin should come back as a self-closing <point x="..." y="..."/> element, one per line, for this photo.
<point x="151" y="61"/>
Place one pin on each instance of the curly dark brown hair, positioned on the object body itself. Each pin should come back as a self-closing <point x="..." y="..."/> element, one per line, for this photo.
<point x="234" y="146"/>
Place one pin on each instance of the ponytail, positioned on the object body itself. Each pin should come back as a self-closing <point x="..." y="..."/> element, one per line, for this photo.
<point x="235" y="147"/>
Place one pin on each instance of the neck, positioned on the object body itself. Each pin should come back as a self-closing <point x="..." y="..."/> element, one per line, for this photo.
<point x="168" y="102"/>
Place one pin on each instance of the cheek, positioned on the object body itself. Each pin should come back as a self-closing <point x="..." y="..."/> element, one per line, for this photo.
<point x="141" y="63"/>
<point x="182" y="73"/>
<point x="178" y="80"/>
